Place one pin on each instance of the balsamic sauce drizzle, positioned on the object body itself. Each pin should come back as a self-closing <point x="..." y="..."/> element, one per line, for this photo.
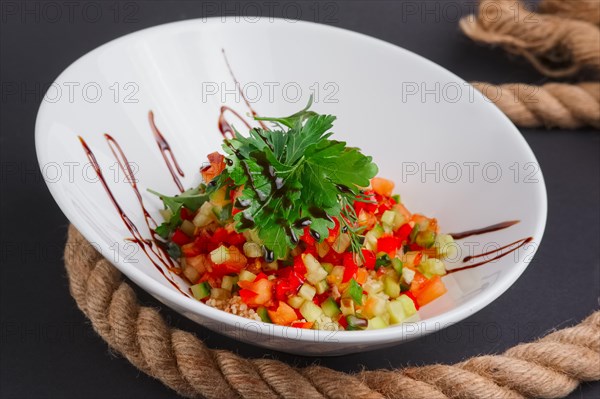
<point x="495" y="227"/>
<point x="145" y="244"/>
<point x="165" y="149"/>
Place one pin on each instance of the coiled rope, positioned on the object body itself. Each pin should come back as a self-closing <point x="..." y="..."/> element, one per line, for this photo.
<point x="551" y="367"/>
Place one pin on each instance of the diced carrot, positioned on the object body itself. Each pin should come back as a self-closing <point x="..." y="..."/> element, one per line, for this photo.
<point x="361" y="275"/>
<point x="284" y="315"/>
<point x="382" y="186"/>
<point x="432" y="289"/>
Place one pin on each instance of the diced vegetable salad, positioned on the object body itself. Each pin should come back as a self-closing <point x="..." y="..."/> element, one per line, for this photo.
<point x="322" y="284"/>
<point x="293" y="228"/>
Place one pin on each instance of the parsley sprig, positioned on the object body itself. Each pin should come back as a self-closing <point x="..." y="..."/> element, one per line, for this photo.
<point x="295" y="176"/>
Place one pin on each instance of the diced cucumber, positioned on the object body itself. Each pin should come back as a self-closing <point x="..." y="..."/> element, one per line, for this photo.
<point x="377" y="231"/>
<point x="310" y="262"/>
<point x="374" y="306"/>
<point x="295" y="301"/>
<point x="191" y="274"/>
<point x="264" y="314"/>
<point x="396" y="312"/>
<point x="446" y="246"/>
<point x="337" y="274"/>
<point x="219" y="293"/>
<point x="356" y="323"/>
<point x="310" y="311"/>
<point x="408" y="275"/>
<point x="245" y="275"/>
<point x="373" y="287"/>
<point x="188" y="228"/>
<point x="342" y="243"/>
<point x="220" y="255"/>
<point x="204" y="216"/>
<point x="377" y="322"/>
<point x="347" y="306"/>
<point x="228" y="282"/>
<point x="307" y="291"/>
<point x="330" y="308"/>
<point x="390" y="287"/>
<point x="200" y="291"/>
<point x="425" y="238"/>
<point x="388" y="218"/>
<point x="407" y="304"/>
<point x="433" y="266"/>
<point x="253" y="250"/>
<point x="321" y="286"/>
<point x="397" y="265"/>
<point x="327" y="266"/>
<point x="166" y="214"/>
<point x="413" y="233"/>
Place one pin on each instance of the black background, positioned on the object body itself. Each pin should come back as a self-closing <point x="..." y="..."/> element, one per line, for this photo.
<point x="48" y="348"/>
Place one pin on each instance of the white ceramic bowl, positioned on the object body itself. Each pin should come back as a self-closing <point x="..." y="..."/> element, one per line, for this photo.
<point x="423" y="125"/>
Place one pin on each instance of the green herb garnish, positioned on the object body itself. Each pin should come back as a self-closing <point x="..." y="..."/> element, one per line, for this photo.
<point x="355" y="291"/>
<point x="295" y="176"/>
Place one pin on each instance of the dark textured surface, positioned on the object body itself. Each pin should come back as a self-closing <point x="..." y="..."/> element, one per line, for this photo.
<point x="47" y="347"/>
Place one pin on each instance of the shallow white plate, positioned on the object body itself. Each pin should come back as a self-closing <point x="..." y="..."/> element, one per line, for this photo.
<point x="452" y="154"/>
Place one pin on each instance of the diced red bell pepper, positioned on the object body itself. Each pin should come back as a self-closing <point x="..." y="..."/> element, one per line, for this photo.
<point x="186" y="214"/>
<point x="334" y="232"/>
<point x="370" y="259"/>
<point x="414" y="299"/>
<point x="403" y="232"/>
<point x="350" y="267"/>
<point x="260" y="276"/>
<point x="219" y="236"/>
<point x="333" y="257"/>
<point x="235" y="238"/>
<point x="388" y="244"/>
<point x="180" y="238"/>
<point x="343" y="322"/>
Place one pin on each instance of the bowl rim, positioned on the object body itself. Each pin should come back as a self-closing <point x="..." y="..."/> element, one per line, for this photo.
<point x="389" y="334"/>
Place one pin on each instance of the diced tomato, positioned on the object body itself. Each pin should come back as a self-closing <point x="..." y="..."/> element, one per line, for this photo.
<point x="382" y="186"/>
<point x="370" y="259"/>
<point x="190" y="249"/>
<point x="284" y="315"/>
<point x="235" y="211"/>
<point x="199" y="262"/>
<point x="370" y="206"/>
<point x="388" y="244"/>
<point x="262" y="288"/>
<point x="306" y="237"/>
<point x="350" y="267"/>
<point x="343" y="322"/>
<point x="247" y="295"/>
<point x="260" y="276"/>
<point x="432" y="289"/>
<point x="414" y="299"/>
<point x="219" y="236"/>
<point x="299" y="266"/>
<point x="320" y="298"/>
<point x="333" y="257"/>
<point x="236" y="258"/>
<point x="180" y="238"/>
<point x="418" y="282"/>
<point x="234" y="238"/>
<point x="186" y="214"/>
<point x="302" y="324"/>
<point x="415" y="247"/>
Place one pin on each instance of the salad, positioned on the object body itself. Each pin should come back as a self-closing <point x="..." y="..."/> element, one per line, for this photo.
<point x="294" y="228"/>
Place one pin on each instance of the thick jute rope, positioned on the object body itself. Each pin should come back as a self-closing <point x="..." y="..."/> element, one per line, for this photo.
<point x="556" y="46"/>
<point x="585" y="10"/>
<point x="566" y="106"/>
<point x="551" y="367"/>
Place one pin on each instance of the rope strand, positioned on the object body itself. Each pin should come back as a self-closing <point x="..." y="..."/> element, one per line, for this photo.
<point x="551" y="367"/>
